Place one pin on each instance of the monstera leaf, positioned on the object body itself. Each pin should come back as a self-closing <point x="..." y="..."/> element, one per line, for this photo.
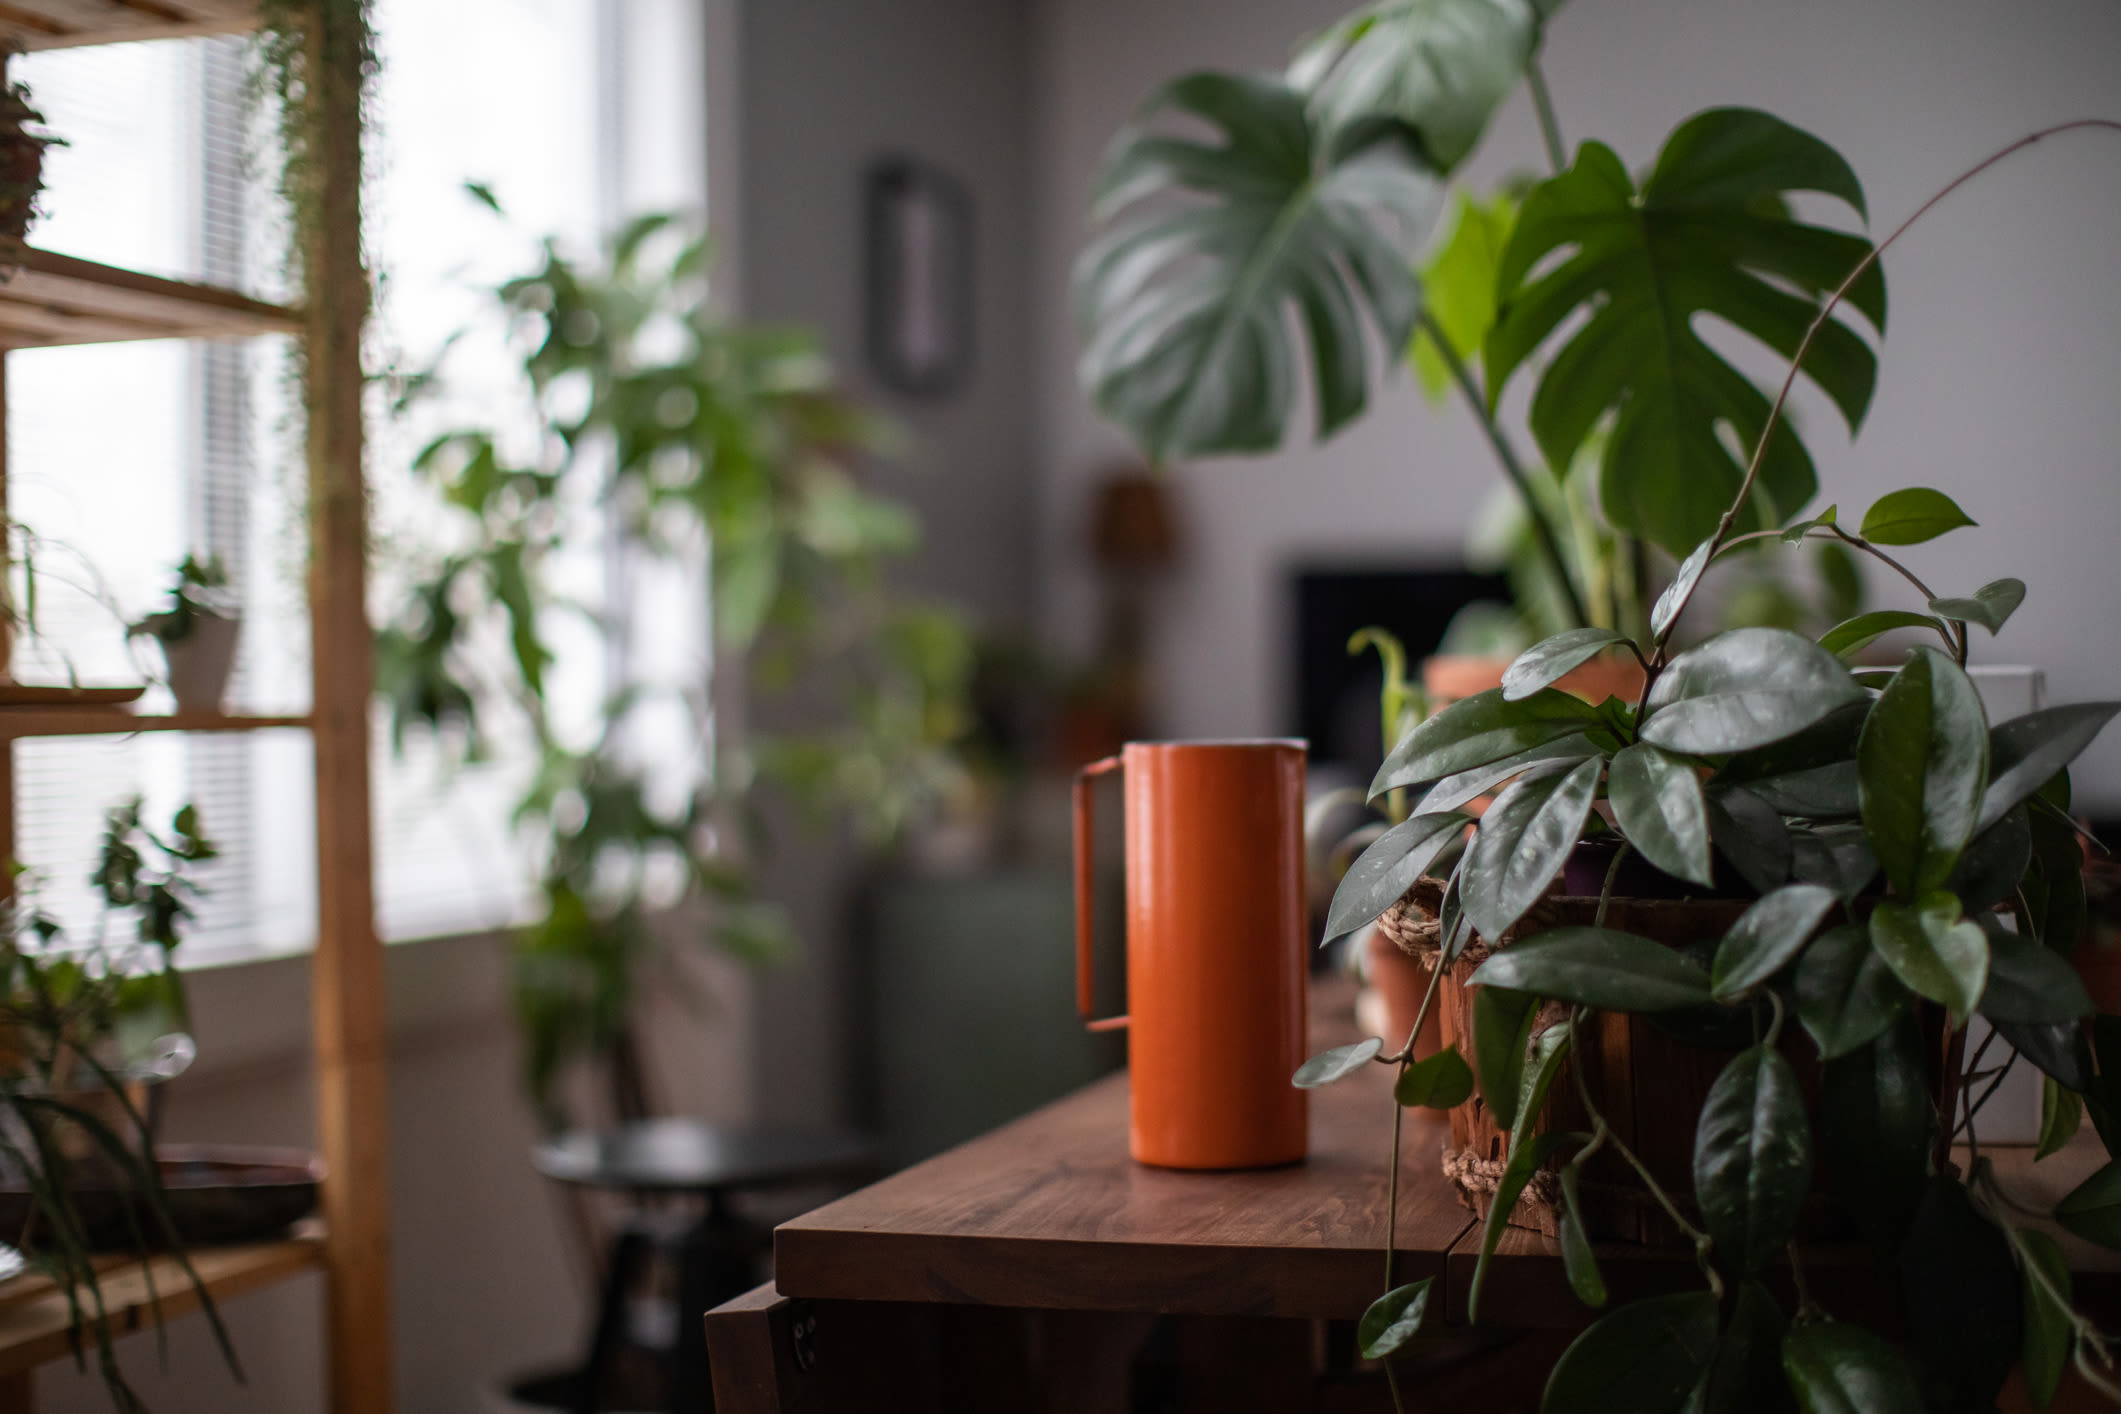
<point x="1186" y="304"/>
<point x="1442" y="67"/>
<point x="1707" y="234"/>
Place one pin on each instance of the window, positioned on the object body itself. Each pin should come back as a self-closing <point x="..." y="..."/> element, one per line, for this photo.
<point x="160" y="177"/>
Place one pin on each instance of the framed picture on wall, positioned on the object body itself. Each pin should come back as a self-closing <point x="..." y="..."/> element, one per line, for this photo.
<point x="917" y="272"/>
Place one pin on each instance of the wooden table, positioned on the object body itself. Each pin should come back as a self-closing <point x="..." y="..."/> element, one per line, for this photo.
<point x="913" y="1293"/>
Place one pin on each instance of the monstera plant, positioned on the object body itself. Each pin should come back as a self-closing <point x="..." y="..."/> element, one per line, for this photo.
<point x="1886" y="865"/>
<point x="1231" y="269"/>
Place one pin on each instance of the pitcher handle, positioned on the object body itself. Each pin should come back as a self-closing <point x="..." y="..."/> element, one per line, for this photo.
<point x="1085" y="896"/>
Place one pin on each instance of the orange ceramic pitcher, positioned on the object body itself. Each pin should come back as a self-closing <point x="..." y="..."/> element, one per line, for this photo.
<point x="1216" y="962"/>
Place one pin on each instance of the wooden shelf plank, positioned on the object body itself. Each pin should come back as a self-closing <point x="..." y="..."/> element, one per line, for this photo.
<point x="36" y="1327"/>
<point x="60" y="24"/>
<point x="19" y="722"/>
<point x="48" y="299"/>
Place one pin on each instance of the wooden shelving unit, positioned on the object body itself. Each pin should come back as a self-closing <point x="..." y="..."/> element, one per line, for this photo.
<point x="60" y="24"/>
<point x="36" y="1326"/>
<point x="19" y="722"/>
<point x="50" y="299"/>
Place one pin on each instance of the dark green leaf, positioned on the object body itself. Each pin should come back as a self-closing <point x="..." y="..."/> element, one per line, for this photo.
<point x="1751" y="836"/>
<point x="1552" y="659"/>
<point x="2058" y="1049"/>
<point x="1767" y="936"/>
<point x="1856" y="634"/>
<point x="1644" y="1358"/>
<point x="1454" y="791"/>
<point x="1846" y="995"/>
<point x="1442" y="67"/>
<point x="1837" y="1368"/>
<point x="1525" y="1160"/>
<point x="2050" y="1325"/>
<point x="1935" y="951"/>
<point x="1577" y="1259"/>
<point x="1388" y="868"/>
<point x="1338" y="1063"/>
<point x="2026" y="752"/>
<point x="1923" y="763"/>
<point x="1523" y="841"/>
<point x="1877" y="1125"/>
<point x="1822" y="793"/>
<point x="1746" y="1375"/>
<point x="1992" y="604"/>
<point x="1993" y="862"/>
<point x="1502" y="1034"/>
<point x="1961" y="1289"/>
<point x="1479" y="730"/>
<point x="1597" y="967"/>
<point x="1673" y="601"/>
<point x="1744" y="689"/>
<point x="1658" y="805"/>
<point x="1752" y="1158"/>
<point x="1393" y="1319"/>
<point x="1697" y="239"/>
<point x="1911" y="516"/>
<point x="2054" y="886"/>
<point x="1550" y="1051"/>
<point x="1836" y="857"/>
<point x="1187" y="306"/>
<point x="2061" y="1111"/>
<point x="1438" y="1083"/>
<point x="2029" y="983"/>
<point x="2092" y="1210"/>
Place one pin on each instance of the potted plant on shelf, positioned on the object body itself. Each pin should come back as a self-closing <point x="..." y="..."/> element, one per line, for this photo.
<point x="86" y="1025"/>
<point x="198" y="634"/>
<point x="22" y="145"/>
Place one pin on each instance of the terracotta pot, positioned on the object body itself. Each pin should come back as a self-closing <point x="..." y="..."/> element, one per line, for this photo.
<point x="1398" y="981"/>
<point x="1649" y="1084"/>
<point x="1447" y="677"/>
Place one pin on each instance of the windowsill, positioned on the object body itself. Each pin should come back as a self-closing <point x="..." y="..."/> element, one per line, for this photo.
<point x="252" y="1013"/>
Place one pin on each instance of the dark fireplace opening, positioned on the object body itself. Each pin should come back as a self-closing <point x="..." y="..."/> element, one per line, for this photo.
<point x="1336" y="693"/>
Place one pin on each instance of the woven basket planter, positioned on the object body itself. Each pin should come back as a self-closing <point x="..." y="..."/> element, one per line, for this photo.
<point x="1649" y="1084"/>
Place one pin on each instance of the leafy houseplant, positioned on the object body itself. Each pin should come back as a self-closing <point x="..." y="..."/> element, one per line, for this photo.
<point x="1908" y="865"/>
<point x="79" y="1022"/>
<point x="690" y="433"/>
<point x="197" y="632"/>
<point x="1225" y="269"/>
<point x="22" y="149"/>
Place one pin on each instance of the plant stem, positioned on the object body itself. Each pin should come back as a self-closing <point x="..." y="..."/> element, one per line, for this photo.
<point x="1512" y="468"/>
<point x="1543" y="105"/>
<point x="1603" y="1132"/>
<point x="1804" y="345"/>
<point x="1399" y="1111"/>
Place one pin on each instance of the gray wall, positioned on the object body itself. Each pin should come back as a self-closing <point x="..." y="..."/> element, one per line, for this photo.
<point x="826" y="87"/>
<point x="1998" y="376"/>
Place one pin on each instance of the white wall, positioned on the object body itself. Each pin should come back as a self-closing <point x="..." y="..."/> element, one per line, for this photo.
<point x="827" y="87"/>
<point x="1997" y="383"/>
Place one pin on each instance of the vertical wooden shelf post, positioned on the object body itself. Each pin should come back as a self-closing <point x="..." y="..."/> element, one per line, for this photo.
<point x="352" y="1109"/>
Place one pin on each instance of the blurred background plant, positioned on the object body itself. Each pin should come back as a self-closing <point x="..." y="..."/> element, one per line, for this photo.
<point x="667" y="432"/>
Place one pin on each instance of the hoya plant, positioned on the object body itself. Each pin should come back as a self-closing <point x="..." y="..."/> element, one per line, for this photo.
<point x="1911" y="865"/>
<point x="1300" y="232"/>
